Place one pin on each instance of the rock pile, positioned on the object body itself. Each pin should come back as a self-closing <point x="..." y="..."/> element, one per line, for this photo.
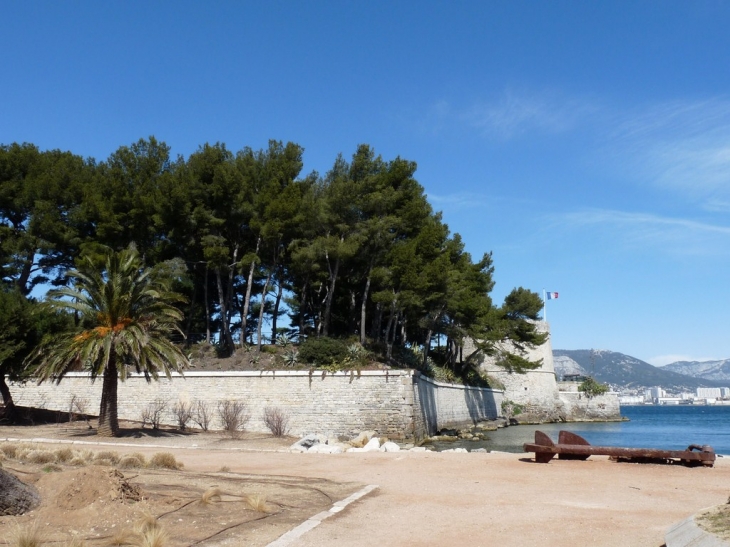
<point x="366" y="441"/>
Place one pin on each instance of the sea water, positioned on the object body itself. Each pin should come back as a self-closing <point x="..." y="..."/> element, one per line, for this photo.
<point x="667" y="427"/>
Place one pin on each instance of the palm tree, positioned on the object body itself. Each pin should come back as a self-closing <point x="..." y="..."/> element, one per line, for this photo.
<point x="126" y="314"/>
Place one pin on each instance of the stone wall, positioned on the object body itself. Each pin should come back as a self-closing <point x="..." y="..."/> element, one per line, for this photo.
<point x="454" y="406"/>
<point x="582" y="408"/>
<point x="398" y="404"/>
<point x="537" y="392"/>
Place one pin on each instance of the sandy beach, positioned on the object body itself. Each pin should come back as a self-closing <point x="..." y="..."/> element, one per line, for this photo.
<point x="454" y="498"/>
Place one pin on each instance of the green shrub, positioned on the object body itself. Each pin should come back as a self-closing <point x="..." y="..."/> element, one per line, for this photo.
<point x="323" y="351"/>
<point x="592" y="388"/>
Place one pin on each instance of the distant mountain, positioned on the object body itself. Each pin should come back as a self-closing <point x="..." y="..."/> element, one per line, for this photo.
<point x="623" y="371"/>
<point x="705" y="370"/>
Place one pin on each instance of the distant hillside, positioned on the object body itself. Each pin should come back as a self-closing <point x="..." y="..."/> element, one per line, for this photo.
<point x="622" y="370"/>
<point x="706" y="370"/>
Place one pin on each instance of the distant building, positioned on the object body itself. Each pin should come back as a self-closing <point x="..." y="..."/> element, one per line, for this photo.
<point x="631" y="399"/>
<point x="709" y="392"/>
<point x="655" y="392"/>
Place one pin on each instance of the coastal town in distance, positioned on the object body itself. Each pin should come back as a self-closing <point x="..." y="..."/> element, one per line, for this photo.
<point x="637" y="382"/>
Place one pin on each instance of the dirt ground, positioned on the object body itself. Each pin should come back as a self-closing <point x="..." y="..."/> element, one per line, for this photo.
<point x="422" y="498"/>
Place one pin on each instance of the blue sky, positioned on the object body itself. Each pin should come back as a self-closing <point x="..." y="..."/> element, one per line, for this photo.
<point x="586" y="144"/>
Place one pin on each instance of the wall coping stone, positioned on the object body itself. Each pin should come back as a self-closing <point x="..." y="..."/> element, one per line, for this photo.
<point x="264" y="373"/>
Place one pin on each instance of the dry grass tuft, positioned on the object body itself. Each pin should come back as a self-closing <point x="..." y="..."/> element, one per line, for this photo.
<point x="40" y="456"/>
<point x="64" y="455"/>
<point x="165" y="460"/>
<point x="225" y="469"/>
<point x="75" y="542"/>
<point x="124" y="537"/>
<point x="141" y="457"/>
<point x="211" y="495"/>
<point x="154" y="537"/>
<point x="107" y="456"/>
<point x="151" y="533"/>
<point x="130" y="462"/>
<point x="26" y="536"/>
<point x="258" y="503"/>
<point x="9" y="449"/>
<point x="77" y="461"/>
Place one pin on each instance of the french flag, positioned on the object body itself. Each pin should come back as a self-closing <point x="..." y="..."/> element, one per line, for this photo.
<point x="552" y="295"/>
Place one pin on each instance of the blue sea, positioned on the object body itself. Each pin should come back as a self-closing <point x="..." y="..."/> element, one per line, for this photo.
<point x="649" y="426"/>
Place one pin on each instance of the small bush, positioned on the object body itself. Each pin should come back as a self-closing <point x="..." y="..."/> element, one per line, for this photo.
<point x="106" y="456"/>
<point x="592" y="388"/>
<point x="276" y="420"/>
<point x="40" y="456"/>
<point x="183" y="413"/>
<point x="130" y="462"/>
<point x="283" y="340"/>
<point x="64" y="455"/>
<point x="323" y="351"/>
<point x="10" y="450"/>
<point x="202" y="415"/>
<point x="234" y="416"/>
<point x="153" y="413"/>
<point x="510" y="408"/>
<point x="290" y="358"/>
<point x="165" y="460"/>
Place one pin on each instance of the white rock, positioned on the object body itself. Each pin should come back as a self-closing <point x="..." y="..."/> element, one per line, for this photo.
<point x="418" y="449"/>
<point x="390" y="447"/>
<point x="325" y="449"/>
<point x="363" y="438"/>
<point x="373" y="445"/>
<point x="306" y="442"/>
<point x="356" y="450"/>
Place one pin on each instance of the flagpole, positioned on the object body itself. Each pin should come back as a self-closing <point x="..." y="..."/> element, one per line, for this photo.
<point x="544" y="305"/>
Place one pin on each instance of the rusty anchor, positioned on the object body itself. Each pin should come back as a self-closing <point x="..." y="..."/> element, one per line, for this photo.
<point x="574" y="447"/>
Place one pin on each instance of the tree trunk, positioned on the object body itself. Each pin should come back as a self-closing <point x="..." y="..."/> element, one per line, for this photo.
<point x="261" y="312"/>
<point x="191" y="313"/>
<point x="427" y="346"/>
<point x="247" y="299"/>
<point x="229" y="289"/>
<point x="224" y="311"/>
<point x="378" y="323"/>
<point x="9" y="414"/>
<point x="364" y="305"/>
<point x="330" y="296"/>
<point x="22" y="282"/>
<point x="207" y="306"/>
<point x="16" y="497"/>
<point x="108" y="418"/>
<point x="388" y="345"/>
<point x="302" y="308"/>
<point x="279" y="293"/>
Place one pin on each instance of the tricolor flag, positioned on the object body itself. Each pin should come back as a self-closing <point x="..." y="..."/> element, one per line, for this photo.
<point x="552" y="295"/>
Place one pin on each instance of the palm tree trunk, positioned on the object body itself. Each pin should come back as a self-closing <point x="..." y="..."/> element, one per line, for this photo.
<point x="108" y="418"/>
<point x="9" y="413"/>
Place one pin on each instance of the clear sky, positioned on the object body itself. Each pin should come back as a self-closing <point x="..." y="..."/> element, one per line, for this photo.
<point x="586" y="144"/>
